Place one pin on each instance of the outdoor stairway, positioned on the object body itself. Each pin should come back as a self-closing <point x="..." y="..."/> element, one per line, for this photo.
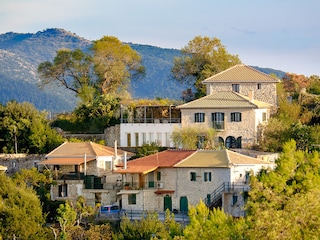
<point x="214" y="200"/>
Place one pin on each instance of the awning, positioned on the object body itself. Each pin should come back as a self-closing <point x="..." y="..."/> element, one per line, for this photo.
<point x="65" y="161"/>
<point x="137" y="169"/>
<point x="128" y="192"/>
<point x="164" y="191"/>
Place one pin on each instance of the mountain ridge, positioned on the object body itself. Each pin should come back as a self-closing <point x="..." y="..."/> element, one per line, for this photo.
<point x="21" y="53"/>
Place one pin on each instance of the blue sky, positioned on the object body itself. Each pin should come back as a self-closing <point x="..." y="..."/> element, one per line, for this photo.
<point x="279" y="34"/>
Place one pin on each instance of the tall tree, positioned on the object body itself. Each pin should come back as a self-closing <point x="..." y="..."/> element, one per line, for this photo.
<point x="202" y="58"/>
<point x="115" y="64"/>
<point x="71" y="69"/>
<point x="283" y="204"/>
<point x="20" y="211"/>
<point x="24" y="129"/>
<point x="207" y="224"/>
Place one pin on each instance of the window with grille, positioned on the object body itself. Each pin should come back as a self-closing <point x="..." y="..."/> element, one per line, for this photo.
<point x="193" y="176"/>
<point x="199" y="117"/>
<point x="132" y="199"/>
<point x="218" y="120"/>
<point x="207" y="176"/>
<point x="236" y="117"/>
<point x="236" y="88"/>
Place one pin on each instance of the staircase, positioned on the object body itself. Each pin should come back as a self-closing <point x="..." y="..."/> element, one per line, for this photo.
<point x="214" y="200"/>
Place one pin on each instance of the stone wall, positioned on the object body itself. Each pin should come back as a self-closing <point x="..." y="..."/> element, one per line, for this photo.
<point x="110" y="134"/>
<point x="16" y="162"/>
<point x="267" y="93"/>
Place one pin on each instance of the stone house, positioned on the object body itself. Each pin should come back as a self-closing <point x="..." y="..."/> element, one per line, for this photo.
<point x="235" y="117"/>
<point x="246" y="81"/>
<point x="85" y="169"/>
<point x="238" y="100"/>
<point x="175" y="179"/>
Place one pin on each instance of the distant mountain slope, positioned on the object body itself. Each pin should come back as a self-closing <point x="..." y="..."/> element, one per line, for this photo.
<point x="21" y="53"/>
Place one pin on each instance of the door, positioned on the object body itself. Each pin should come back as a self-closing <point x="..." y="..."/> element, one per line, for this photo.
<point x="184" y="204"/>
<point x="167" y="203"/>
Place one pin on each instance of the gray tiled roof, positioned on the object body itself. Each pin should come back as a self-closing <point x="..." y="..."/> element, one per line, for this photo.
<point x="227" y="99"/>
<point x="241" y="73"/>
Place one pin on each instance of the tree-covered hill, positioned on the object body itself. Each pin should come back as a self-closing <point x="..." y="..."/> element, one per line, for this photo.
<point x="21" y="53"/>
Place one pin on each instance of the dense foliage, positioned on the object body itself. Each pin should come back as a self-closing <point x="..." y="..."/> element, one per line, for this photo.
<point x="24" y="129"/>
<point x="20" y="211"/>
<point x="202" y="58"/>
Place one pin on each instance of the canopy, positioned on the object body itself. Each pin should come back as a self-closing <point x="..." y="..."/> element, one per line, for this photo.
<point x="65" y="161"/>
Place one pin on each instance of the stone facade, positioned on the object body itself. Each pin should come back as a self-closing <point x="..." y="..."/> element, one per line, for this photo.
<point x="266" y="92"/>
<point x="176" y="183"/>
<point x="16" y="162"/>
<point x="246" y="129"/>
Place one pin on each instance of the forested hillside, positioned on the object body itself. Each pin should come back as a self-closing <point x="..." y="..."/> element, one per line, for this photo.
<point x="21" y="53"/>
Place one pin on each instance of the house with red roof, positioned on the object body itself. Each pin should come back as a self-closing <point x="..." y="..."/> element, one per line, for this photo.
<point x="85" y="169"/>
<point x="175" y="179"/>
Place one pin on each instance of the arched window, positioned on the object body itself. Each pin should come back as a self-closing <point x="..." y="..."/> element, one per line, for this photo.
<point x="239" y="142"/>
<point x="230" y="142"/>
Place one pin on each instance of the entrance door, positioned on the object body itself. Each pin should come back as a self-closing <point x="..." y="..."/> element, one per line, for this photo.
<point x="167" y="203"/>
<point x="184" y="204"/>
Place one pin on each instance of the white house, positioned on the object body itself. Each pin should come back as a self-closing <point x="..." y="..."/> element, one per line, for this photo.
<point x="174" y="179"/>
<point x="85" y="169"/>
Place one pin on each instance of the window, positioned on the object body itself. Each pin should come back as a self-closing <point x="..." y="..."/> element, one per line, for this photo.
<point x="236" y="117"/>
<point x="199" y="117"/>
<point x="193" y="176"/>
<point x="63" y="190"/>
<point x="207" y="176"/>
<point x="201" y="141"/>
<point x="159" y="138"/>
<point x="132" y="199"/>
<point x="236" y="88"/>
<point x="247" y="177"/>
<point x="107" y="165"/>
<point x="264" y="116"/>
<point x="234" y="199"/>
<point x="129" y="139"/>
<point x="259" y="85"/>
<point x="167" y="136"/>
<point x="136" y="135"/>
<point x="151" y="137"/>
<point x="218" y="120"/>
<point x="158" y="176"/>
<point x="144" y="137"/>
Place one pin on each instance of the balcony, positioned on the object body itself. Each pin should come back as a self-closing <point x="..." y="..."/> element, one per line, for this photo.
<point x="141" y="186"/>
<point x="151" y="120"/>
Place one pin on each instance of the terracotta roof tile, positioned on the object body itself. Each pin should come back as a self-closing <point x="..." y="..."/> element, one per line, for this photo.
<point x="241" y="73"/>
<point x="149" y="163"/>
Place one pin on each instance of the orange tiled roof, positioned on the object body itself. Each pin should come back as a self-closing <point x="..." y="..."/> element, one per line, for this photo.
<point x="241" y="73"/>
<point x="150" y="163"/>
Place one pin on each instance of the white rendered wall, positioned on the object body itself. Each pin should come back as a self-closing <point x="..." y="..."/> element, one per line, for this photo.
<point x="147" y="132"/>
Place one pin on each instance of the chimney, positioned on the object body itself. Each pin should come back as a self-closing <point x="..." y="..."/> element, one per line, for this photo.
<point x="115" y="149"/>
<point x="251" y="95"/>
<point x="125" y="161"/>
